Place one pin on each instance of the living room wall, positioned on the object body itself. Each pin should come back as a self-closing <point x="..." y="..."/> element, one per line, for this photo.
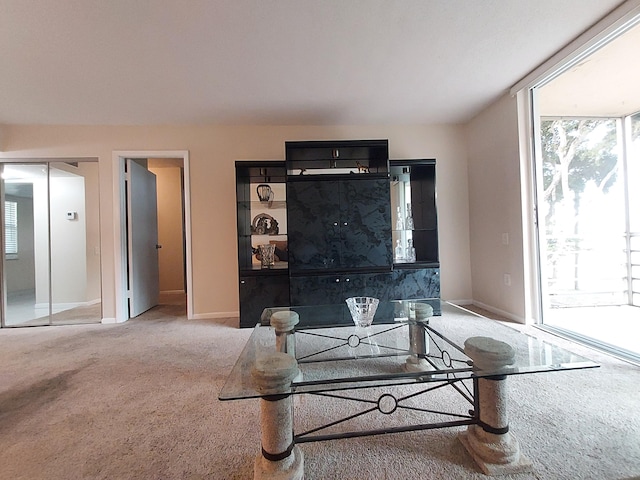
<point x="212" y="152"/>
<point x="495" y="210"/>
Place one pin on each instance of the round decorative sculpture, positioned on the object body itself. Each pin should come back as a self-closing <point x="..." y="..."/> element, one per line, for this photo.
<point x="264" y="224"/>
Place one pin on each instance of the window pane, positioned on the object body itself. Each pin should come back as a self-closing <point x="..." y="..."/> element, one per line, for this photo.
<point x="633" y="166"/>
<point x="582" y="210"/>
<point x="10" y="228"/>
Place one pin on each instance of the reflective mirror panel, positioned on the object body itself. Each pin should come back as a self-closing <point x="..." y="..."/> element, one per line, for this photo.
<point x="75" y="243"/>
<point x="52" y="243"/>
<point x="26" y="235"/>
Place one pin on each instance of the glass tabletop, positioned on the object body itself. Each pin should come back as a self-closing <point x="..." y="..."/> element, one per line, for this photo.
<point x="345" y="356"/>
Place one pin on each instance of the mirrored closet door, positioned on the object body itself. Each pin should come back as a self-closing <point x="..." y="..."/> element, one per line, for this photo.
<point x="51" y="241"/>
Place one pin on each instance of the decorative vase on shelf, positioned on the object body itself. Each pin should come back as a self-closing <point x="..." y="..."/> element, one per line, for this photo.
<point x="411" y="251"/>
<point x="265" y="194"/>
<point x="409" y="222"/>
<point x="399" y="252"/>
<point x="267" y="255"/>
<point x="399" y="220"/>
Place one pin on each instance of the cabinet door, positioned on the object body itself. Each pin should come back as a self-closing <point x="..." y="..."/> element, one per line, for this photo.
<point x="338" y="224"/>
<point x="377" y="285"/>
<point x="313" y="225"/>
<point x="320" y="297"/>
<point x="260" y="292"/>
<point x="416" y="283"/>
<point x="423" y="200"/>
<point x="316" y="290"/>
<point x="365" y="223"/>
<point x="413" y="197"/>
<point x="323" y="296"/>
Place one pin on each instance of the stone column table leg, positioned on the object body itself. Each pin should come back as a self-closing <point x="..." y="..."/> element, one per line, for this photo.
<point x="418" y="342"/>
<point x="284" y="323"/>
<point x="494" y="448"/>
<point x="280" y="459"/>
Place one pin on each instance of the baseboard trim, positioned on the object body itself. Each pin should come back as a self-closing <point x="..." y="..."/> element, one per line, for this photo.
<point x="110" y="320"/>
<point x="459" y="302"/>
<point x="498" y="311"/>
<point x="214" y="315"/>
<point x="67" y="305"/>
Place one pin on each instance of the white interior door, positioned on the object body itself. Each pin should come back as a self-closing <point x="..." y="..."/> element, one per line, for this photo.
<point x="142" y="227"/>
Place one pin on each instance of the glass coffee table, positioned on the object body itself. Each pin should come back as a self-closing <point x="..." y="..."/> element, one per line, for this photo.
<point x="410" y="370"/>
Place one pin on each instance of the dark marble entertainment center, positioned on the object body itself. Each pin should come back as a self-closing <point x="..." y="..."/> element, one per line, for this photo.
<point x="344" y="220"/>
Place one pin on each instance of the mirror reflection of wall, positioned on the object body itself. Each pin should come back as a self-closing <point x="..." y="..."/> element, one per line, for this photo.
<point x="54" y="275"/>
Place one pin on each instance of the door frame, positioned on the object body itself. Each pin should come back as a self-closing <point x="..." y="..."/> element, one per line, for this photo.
<point x="120" y="234"/>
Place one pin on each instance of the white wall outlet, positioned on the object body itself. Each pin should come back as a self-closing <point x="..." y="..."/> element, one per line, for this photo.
<point x="507" y="279"/>
<point x="72" y="215"/>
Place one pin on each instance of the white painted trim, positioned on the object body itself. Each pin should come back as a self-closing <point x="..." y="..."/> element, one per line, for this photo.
<point x="65" y="305"/>
<point x="210" y="315"/>
<point x="119" y="207"/>
<point x="467" y="303"/>
<point x="119" y="240"/>
<point x="620" y="19"/>
<point x="459" y="302"/>
<point x="528" y="188"/>
<point x="497" y="311"/>
<point x="187" y="227"/>
<point x="109" y="320"/>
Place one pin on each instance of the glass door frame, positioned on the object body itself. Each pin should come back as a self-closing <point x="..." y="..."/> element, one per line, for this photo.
<point x="542" y="297"/>
<point x="539" y="289"/>
<point x="48" y="164"/>
<point x="4" y="280"/>
<point x="615" y="24"/>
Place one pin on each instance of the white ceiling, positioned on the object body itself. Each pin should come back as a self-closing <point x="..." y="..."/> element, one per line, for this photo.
<point x="273" y="61"/>
<point x="605" y="84"/>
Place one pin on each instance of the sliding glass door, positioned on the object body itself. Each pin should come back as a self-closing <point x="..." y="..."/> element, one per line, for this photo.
<point x="583" y="212"/>
<point x="632" y="133"/>
<point x="51" y="262"/>
<point x="589" y="204"/>
<point x="586" y="203"/>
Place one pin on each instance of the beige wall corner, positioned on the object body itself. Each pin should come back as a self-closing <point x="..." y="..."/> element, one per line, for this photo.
<point x="495" y="209"/>
<point x="3" y="133"/>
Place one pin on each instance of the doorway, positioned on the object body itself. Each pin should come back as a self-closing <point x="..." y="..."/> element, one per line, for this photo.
<point x="587" y="237"/>
<point x="587" y="169"/>
<point x="174" y="227"/>
<point x="51" y="242"/>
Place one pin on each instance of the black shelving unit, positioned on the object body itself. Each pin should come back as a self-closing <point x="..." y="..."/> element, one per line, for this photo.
<point x="261" y="222"/>
<point x="337" y="206"/>
<point x="413" y="194"/>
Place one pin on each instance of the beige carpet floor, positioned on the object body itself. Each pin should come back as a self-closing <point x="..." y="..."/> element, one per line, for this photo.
<point x="139" y="401"/>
